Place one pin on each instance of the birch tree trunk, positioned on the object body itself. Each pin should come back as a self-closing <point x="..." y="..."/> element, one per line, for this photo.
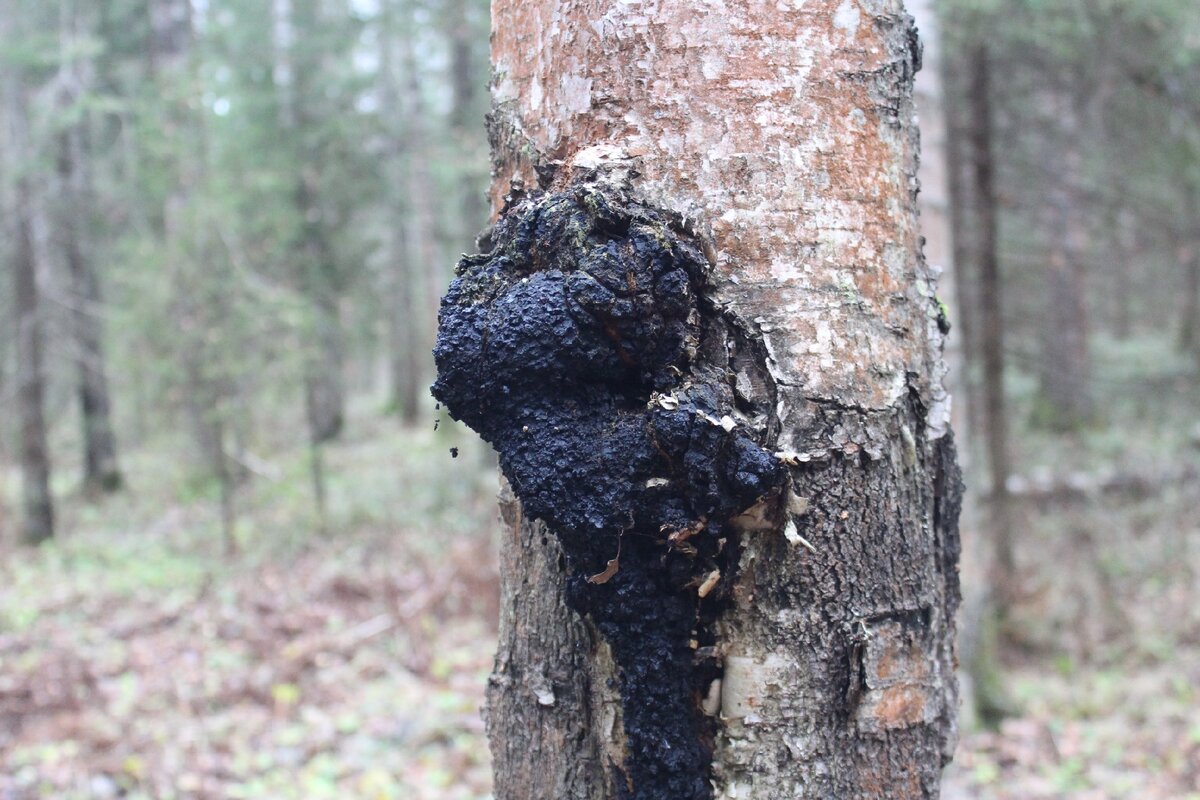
<point x="784" y="138"/>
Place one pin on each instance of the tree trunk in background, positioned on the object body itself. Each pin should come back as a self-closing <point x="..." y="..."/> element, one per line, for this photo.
<point x="465" y="82"/>
<point x="1065" y="399"/>
<point x="35" y="453"/>
<point x="944" y="214"/>
<point x="168" y="49"/>
<point x="1189" y="257"/>
<point x="1189" y="329"/>
<point x="171" y="33"/>
<point x="38" y="522"/>
<point x="324" y="391"/>
<point x="991" y="318"/>
<point x="404" y="280"/>
<point x="1124" y="247"/>
<point x="425" y="270"/>
<point x="169" y="57"/>
<point x="787" y="138"/>
<point x="324" y="378"/>
<point x="407" y="353"/>
<point x="76" y="215"/>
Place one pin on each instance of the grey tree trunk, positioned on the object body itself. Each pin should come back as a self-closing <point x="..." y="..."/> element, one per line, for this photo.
<point x="785" y="141"/>
<point x="1123" y="230"/>
<point x="37" y="500"/>
<point x="424" y="256"/>
<point x="324" y="378"/>
<point x="413" y="256"/>
<point x="76" y="212"/>
<point x="35" y="453"/>
<point x="101" y="472"/>
<point x="945" y="213"/>
<point x="467" y="85"/>
<point x="170" y="57"/>
<point x="1189" y="256"/>
<point x="991" y="328"/>
<point x="1065" y="401"/>
<point x="1189" y="328"/>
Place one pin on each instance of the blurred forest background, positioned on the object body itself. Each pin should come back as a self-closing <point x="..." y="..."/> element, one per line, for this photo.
<point x="260" y="571"/>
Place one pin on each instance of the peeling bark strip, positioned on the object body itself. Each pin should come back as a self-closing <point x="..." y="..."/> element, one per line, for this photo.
<point x="778" y="138"/>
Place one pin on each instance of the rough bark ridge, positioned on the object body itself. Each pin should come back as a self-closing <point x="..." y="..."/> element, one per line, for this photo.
<point x="782" y="133"/>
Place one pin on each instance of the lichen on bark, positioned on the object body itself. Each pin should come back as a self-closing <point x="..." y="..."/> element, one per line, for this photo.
<point x="582" y="348"/>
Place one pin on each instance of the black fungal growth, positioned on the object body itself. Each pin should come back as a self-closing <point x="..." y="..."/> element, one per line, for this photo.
<point x="573" y="348"/>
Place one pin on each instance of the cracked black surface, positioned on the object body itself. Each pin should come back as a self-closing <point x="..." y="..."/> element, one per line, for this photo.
<point x="576" y="348"/>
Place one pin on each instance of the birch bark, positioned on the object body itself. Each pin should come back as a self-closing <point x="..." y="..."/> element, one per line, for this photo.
<point x="784" y="133"/>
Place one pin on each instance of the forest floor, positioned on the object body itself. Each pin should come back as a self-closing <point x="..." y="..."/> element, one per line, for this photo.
<point x="137" y="661"/>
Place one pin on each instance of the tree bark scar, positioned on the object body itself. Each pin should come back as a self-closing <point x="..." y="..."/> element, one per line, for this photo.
<point x="896" y="673"/>
<point x="613" y="423"/>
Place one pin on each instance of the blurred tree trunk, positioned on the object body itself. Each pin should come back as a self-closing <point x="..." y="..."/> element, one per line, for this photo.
<point x="76" y="216"/>
<point x="991" y="325"/>
<point x="465" y="84"/>
<point x="35" y="452"/>
<point x="167" y="51"/>
<point x="1189" y="257"/>
<point x="425" y="270"/>
<point x="963" y="248"/>
<point x="199" y="297"/>
<point x="946" y="217"/>
<point x="38" y="522"/>
<point x="324" y="378"/>
<point x="171" y="34"/>
<point x="837" y="658"/>
<point x="406" y="283"/>
<point x="295" y="22"/>
<point x="1124" y="248"/>
<point x="1189" y="329"/>
<point x="1065" y="399"/>
<point x="406" y="347"/>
